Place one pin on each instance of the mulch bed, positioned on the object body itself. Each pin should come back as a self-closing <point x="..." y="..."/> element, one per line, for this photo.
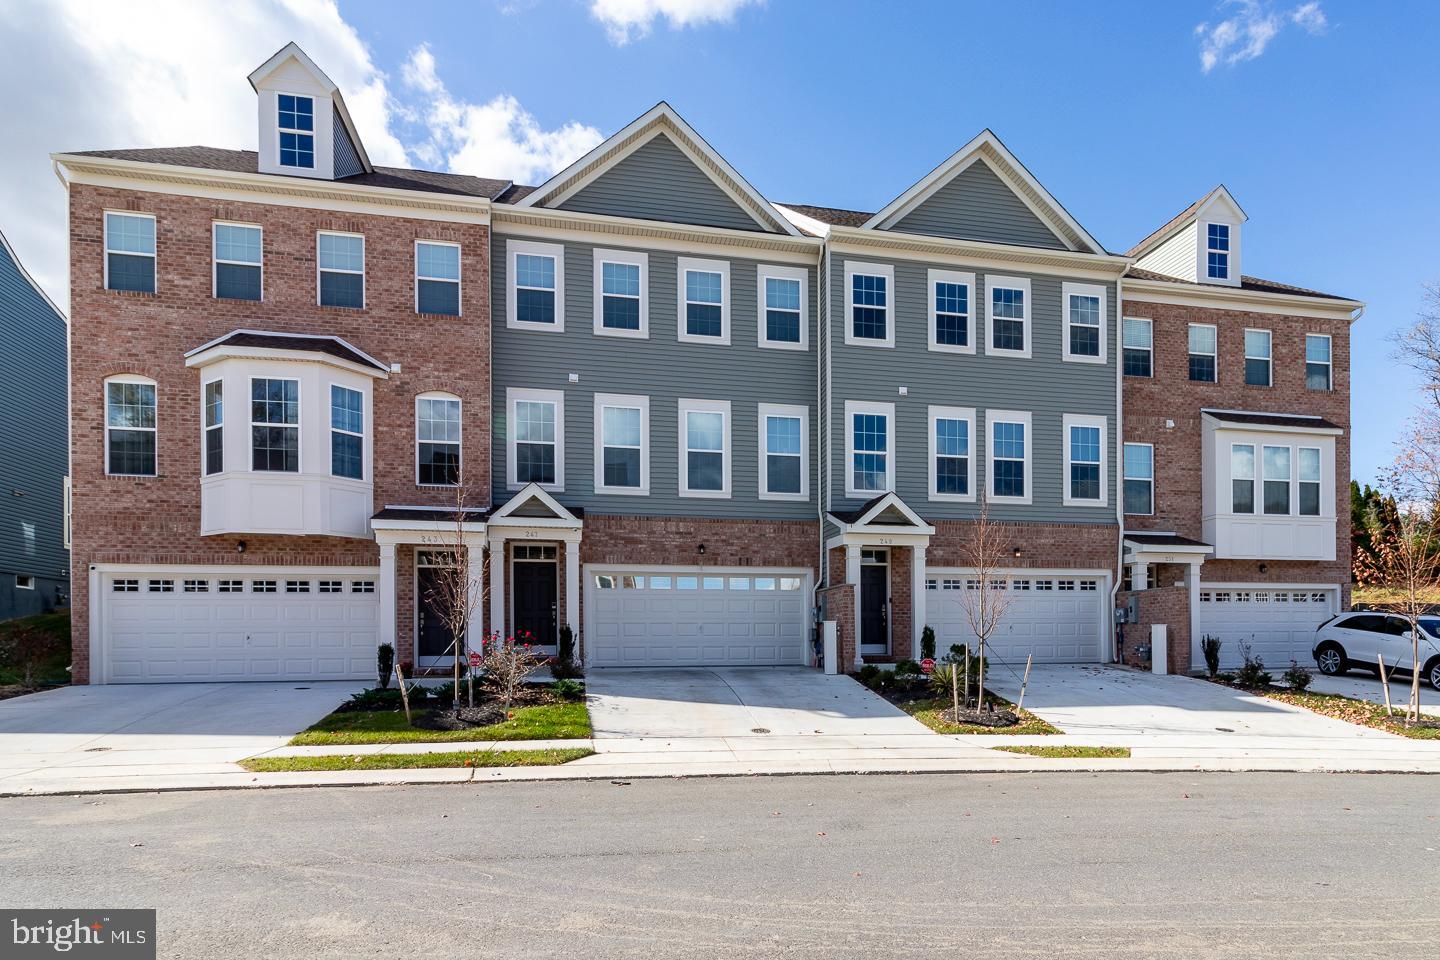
<point x="903" y="692"/>
<point x="444" y="718"/>
<point x="980" y="718"/>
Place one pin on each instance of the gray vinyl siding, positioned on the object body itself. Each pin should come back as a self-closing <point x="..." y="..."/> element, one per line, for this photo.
<point x="1044" y="385"/>
<point x="978" y="205"/>
<point x="659" y="182"/>
<point x="663" y="369"/>
<point x="34" y="459"/>
<point x="347" y="158"/>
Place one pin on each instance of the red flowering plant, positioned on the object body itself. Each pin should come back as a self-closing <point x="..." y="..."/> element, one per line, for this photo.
<point x="506" y="664"/>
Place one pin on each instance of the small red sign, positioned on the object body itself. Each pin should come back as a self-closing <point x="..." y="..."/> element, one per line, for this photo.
<point x="474" y="658"/>
<point x="927" y="666"/>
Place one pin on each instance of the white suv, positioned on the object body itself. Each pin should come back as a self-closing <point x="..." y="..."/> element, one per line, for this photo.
<point x="1360" y="639"/>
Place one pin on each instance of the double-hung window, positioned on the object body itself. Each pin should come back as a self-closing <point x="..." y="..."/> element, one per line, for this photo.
<point x="869" y="289"/>
<point x="536" y="299"/>
<point x="704" y="448"/>
<point x="536" y="444"/>
<point x="952" y="457"/>
<point x="1257" y="358"/>
<point x="341" y="260"/>
<point x="1084" y="460"/>
<point x="783" y="308"/>
<point x="437" y="440"/>
<point x="130" y="252"/>
<point x="296" y="122"/>
<point x="1317" y="361"/>
<point x="1085" y="308"/>
<point x="1276" y="470"/>
<point x="437" y="278"/>
<point x="622" y="444"/>
<point x="238" y="267"/>
<point x="1202" y="352"/>
<point x="870" y="432"/>
<point x="1242" y="478"/>
<point x="1309" y="458"/>
<point x="1009" y="456"/>
<point x="1139" y="479"/>
<point x="1009" y="328"/>
<point x="1217" y="251"/>
<point x="1138" y="347"/>
<point x="622" y="282"/>
<point x="274" y="424"/>
<point x="784" y="452"/>
<point x="704" y="297"/>
<point x="951" y="311"/>
<point x="214" y="403"/>
<point x="347" y="432"/>
<point x="130" y="427"/>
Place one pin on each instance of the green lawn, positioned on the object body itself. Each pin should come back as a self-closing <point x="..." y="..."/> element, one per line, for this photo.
<point x="550" y="721"/>
<point x="1363" y="712"/>
<point x="928" y="713"/>
<point x="54" y="669"/>
<point x="1066" y="752"/>
<point x="416" y="761"/>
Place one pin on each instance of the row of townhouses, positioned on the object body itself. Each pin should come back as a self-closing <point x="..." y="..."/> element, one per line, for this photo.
<point x="675" y="416"/>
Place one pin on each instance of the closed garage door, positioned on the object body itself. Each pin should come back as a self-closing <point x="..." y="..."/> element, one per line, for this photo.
<point x="687" y="618"/>
<point x="1057" y="618"/>
<point x="1278" y="625"/>
<point x="250" y="625"/>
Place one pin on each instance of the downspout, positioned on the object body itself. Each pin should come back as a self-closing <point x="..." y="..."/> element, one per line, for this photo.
<point x="1116" y="632"/>
<point x="822" y="415"/>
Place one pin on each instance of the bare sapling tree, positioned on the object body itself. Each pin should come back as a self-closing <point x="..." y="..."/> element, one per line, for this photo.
<point x="1408" y="562"/>
<point x="506" y="666"/>
<point x="985" y="553"/>
<point x="458" y="589"/>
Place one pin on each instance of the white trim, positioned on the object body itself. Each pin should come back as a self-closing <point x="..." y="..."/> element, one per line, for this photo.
<point x="504" y="517"/>
<point x="933" y="277"/>
<point x="1269" y="357"/>
<point x="1125" y="478"/>
<point x="622" y="401"/>
<point x="888" y="609"/>
<point x="993" y="417"/>
<point x="1215" y="356"/>
<point x="105" y="413"/>
<point x="802" y="413"/>
<point x="1319" y="481"/>
<point x="215" y="260"/>
<point x="554" y="251"/>
<point x="992" y="283"/>
<point x="634" y="258"/>
<point x="514" y="395"/>
<point x="766" y="271"/>
<point x="1257" y="491"/>
<point x="686" y="406"/>
<point x="684" y="265"/>
<point x="1149" y="351"/>
<point x="966" y="414"/>
<point x="1216" y="297"/>
<point x="66" y="511"/>
<point x="854" y="268"/>
<point x="24" y="581"/>
<point x="322" y="270"/>
<point x="153" y="255"/>
<point x="458" y="443"/>
<point x="365" y="473"/>
<point x="205" y="428"/>
<point x="1329" y="363"/>
<point x="312" y="133"/>
<point x="252" y="423"/>
<point x="1068" y="290"/>
<point x="1222" y="424"/>
<point x="886" y="410"/>
<point x="1103" y="425"/>
<point x="655" y="236"/>
<point x="194" y="358"/>
<point x="459" y="274"/>
<point x="1231" y="252"/>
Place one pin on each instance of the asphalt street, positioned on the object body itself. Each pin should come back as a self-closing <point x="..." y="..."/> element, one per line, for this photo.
<point x="1047" y="865"/>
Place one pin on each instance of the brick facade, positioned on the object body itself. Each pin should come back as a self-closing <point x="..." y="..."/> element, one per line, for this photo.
<point x="1165" y="603"/>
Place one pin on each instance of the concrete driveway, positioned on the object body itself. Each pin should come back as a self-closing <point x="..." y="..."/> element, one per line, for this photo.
<point x="124" y="730"/>
<point x="1366" y="686"/>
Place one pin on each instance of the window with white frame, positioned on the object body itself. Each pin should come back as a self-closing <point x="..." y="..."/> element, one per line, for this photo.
<point x="536" y="294"/>
<point x="1309" y="463"/>
<point x="214" y="403"/>
<point x="296" y="122"/>
<point x="1242" y="478"/>
<point x="951" y="311"/>
<point x="1257" y="358"/>
<point x="238" y="262"/>
<point x="341" y="260"/>
<point x="437" y="440"/>
<point x="870" y="453"/>
<point x="437" y="278"/>
<point x="1139" y="479"/>
<point x="1085" y="308"/>
<point x="952" y="457"/>
<point x="704" y="448"/>
<point x="1217" y="251"/>
<point x="704" y="298"/>
<point x="782" y="293"/>
<point x="1317" y="361"/>
<point x="1009" y="456"/>
<point x="536" y="438"/>
<point x="1138" y="347"/>
<point x="347" y="432"/>
<point x="1275" y="467"/>
<point x="130" y="252"/>
<point x="622" y="444"/>
<point x="1084" y="459"/>
<point x="784" y="452"/>
<point x="622" y="293"/>
<point x="1009" y="316"/>
<point x="1203" y="350"/>
<point x="130" y="431"/>
<point x="869" y="290"/>
<point x="66" y="514"/>
<point x="274" y="425"/>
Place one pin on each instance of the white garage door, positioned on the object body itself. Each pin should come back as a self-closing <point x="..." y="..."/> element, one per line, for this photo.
<point x="1279" y="625"/>
<point x="1057" y="618"/>
<point x="678" y="618"/>
<point x="241" y="625"/>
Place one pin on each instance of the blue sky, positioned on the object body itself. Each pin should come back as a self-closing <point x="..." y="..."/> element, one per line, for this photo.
<point x="1319" y="115"/>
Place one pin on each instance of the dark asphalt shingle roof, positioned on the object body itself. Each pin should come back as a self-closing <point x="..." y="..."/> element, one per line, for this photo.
<point x="438" y="513"/>
<point x="1272" y="420"/>
<point x="1163" y="539"/>
<point x="332" y="346"/>
<point x="831" y="215"/>
<point x="1254" y="284"/>
<point x="1158" y="235"/>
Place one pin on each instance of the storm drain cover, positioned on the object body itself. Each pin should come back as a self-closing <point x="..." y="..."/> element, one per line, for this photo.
<point x="96" y="749"/>
<point x="758" y="730"/>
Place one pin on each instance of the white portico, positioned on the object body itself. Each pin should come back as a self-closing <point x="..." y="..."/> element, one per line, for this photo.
<point x="528" y="537"/>
<point x="868" y="536"/>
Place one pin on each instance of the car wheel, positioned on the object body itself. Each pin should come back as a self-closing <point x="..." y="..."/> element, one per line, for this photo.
<point x="1331" y="660"/>
<point x="1433" y="672"/>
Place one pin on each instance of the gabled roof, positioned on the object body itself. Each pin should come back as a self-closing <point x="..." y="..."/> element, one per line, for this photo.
<point x="1183" y="219"/>
<point x="292" y="50"/>
<point x="883" y="511"/>
<point x="987" y="148"/>
<point x="659" y="119"/>
<point x="1294" y="421"/>
<point x="301" y="343"/>
<point x="552" y="512"/>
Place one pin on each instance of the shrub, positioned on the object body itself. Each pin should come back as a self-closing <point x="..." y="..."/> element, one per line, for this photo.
<point x="444" y="693"/>
<point x="385" y="664"/>
<point x="376" y="698"/>
<point x="940" y="679"/>
<point x="1297" y="676"/>
<point x="867" y="674"/>
<point x="567" y="689"/>
<point x="407" y="668"/>
<point x="977" y="666"/>
<point x="26" y="648"/>
<point x="927" y="643"/>
<point x="565" y="646"/>
<point x="1210" y="647"/>
<point x="1252" y="675"/>
<point x="906" y="668"/>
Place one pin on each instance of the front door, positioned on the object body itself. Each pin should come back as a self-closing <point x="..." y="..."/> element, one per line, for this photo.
<point x="435" y="640"/>
<point x="535" y="602"/>
<point x="874" y="605"/>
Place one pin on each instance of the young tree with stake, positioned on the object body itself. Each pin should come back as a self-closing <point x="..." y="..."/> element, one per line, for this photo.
<point x="459" y="587"/>
<point x="985" y="553"/>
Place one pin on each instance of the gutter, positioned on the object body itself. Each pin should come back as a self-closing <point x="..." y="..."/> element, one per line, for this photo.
<point x="1119" y="461"/>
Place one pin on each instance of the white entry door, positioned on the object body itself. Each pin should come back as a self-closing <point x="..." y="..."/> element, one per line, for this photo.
<point x="1278" y="625"/>
<point x="241" y="624"/>
<point x="1056" y="617"/>
<point x="678" y="617"/>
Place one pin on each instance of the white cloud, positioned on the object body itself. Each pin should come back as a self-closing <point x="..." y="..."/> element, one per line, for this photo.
<point x="1247" y="33"/>
<point x="627" y="20"/>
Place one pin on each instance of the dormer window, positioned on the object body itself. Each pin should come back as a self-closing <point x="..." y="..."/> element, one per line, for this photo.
<point x="1217" y="251"/>
<point x="297" y="130"/>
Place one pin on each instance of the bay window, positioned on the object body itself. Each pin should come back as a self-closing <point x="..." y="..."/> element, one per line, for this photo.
<point x="274" y="425"/>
